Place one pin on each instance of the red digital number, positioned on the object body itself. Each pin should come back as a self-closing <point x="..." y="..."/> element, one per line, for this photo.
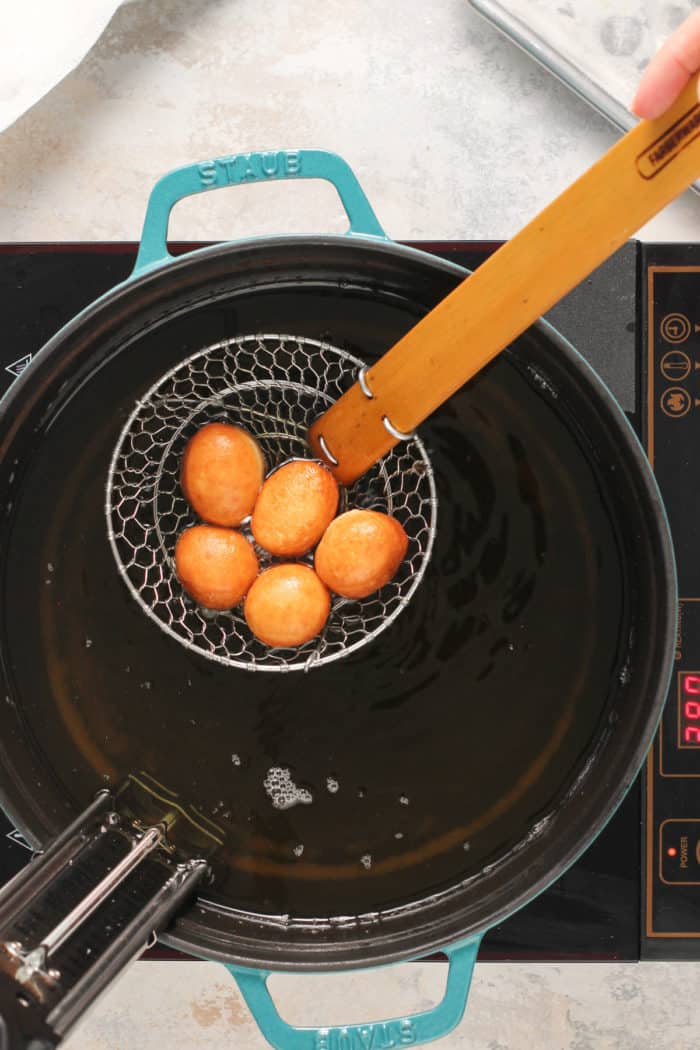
<point x="691" y="684"/>
<point x="692" y="734"/>
<point x="692" y="709"/>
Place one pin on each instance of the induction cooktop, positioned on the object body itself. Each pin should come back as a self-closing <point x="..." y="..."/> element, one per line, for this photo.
<point x="636" y="892"/>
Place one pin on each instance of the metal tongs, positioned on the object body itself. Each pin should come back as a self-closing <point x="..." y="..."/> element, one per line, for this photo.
<point x="80" y="912"/>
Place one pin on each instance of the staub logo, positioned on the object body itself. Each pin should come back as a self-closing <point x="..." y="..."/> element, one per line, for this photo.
<point x="255" y="166"/>
<point x="386" y="1035"/>
<point x="661" y="152"/>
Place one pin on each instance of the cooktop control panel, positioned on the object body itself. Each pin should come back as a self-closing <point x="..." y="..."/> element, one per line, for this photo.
<point x="671" y="847"/>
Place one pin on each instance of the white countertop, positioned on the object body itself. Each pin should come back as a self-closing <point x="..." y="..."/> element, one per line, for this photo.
<point x="451" y="130"/>
<point x="188" y="1006"/>
<point x="453" y="134"/>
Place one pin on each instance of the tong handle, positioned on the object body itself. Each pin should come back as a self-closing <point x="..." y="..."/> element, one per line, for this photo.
<point x="634" y="180"/>
<point x="80" y="912"/>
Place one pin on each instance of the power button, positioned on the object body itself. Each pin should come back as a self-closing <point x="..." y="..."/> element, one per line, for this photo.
<point x="679" y="849"/>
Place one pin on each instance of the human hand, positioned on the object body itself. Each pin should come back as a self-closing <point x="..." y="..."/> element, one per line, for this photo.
<point x="669" y="71"/>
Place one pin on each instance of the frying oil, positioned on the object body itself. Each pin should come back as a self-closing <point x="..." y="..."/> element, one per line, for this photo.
<point x="387" y="776"/>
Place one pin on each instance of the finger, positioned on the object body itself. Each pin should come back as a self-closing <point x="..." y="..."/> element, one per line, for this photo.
<point x="669" y="71"/>
<point x="663" y="82"/>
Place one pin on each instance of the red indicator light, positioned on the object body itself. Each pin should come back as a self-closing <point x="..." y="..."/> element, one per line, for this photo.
<point x="672" y="851"/>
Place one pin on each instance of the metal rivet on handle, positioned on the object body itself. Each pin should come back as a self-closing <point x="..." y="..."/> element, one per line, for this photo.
<point x="364" y="385"/>
<point x="400" y="435"/>
<point x="326" y="451"/>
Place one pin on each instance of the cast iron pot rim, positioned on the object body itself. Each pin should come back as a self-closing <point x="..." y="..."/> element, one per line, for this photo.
<point x="429" y="934"/>
<point x="152" y="275"/>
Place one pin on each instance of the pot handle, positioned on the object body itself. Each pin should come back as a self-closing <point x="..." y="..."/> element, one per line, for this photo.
<point x="242" y="168"/>
<point x="380" y="1035"/>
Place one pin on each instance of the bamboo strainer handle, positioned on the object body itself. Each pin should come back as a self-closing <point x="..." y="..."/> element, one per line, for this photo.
<point x="633" y="181"/>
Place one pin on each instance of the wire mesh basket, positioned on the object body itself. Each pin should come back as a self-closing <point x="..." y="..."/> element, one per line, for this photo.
<point x="274" y="386"/>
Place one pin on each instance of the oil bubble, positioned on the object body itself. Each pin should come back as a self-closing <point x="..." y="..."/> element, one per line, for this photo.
<point x="282" y="791"/>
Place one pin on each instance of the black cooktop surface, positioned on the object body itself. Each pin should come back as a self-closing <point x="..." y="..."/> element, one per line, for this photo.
<point x="605" y="907"/>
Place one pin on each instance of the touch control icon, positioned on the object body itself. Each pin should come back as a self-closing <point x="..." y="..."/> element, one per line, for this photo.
<point x="675" y="328"/>
<point x="18" y="366"/>
<point x="675" y="402"/>
<point x="675" y="366"/>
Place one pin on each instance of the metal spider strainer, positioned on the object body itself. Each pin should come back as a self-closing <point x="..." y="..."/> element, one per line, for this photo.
<point x="274" y="386"/>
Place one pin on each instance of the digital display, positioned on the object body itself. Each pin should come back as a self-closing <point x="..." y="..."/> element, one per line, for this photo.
<point x="689" y="709"/>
